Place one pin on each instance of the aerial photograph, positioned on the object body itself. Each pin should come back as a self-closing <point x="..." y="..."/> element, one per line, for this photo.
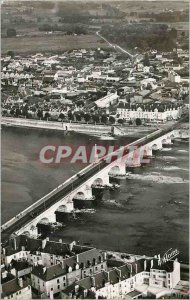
<point x="94" y="149"/>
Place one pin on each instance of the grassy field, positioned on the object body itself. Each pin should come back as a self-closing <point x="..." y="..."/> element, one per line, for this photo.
<point x="50" y="43"/>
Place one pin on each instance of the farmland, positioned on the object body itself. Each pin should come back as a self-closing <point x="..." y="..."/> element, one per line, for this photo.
<point x="50" y="43"/>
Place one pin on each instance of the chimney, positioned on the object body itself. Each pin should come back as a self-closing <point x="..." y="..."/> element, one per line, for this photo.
<point x="93" y="281"/>
<point x="77" y="258"/>
<point x="14" y="243"/>
<point x="108" y="276"/>
<point x="136" y="268"/>
<point x="151" y="264"/>
<point x="85" y="293"/>
<point x="20" y="282"/>
<point x="4" y="274"/>
<point x="3" y="250"/>
<point x="131" y="268"/>
<point x="105" y="256"/>
<point x="44" y="269"/>
<point x="44" y="243"/>
<point x="71" y="245"/>
<point x="145" y="265"/>
<point x="47" y="239"/>
<point x="60" y="241"/>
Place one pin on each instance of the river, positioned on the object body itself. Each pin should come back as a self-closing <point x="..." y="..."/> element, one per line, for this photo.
<point x="148" y="215"/>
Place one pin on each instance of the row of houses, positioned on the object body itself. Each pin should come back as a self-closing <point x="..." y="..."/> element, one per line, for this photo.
<point x="151" y="112"/>
<point x="70" y="270"/>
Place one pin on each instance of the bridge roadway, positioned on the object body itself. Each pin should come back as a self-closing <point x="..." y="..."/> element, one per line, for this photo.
<point x="63" y="190"/>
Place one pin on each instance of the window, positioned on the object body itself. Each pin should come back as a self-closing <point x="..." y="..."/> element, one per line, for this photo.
<point x="58" y="287"/>
<point x="102" y="266"/>
<point x="57" y="280"/>
<point x="64" y="284"/>
<point x="64" y="278"/>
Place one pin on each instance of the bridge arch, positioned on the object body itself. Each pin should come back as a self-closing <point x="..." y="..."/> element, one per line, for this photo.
<point x="44" y="221"/>
<point x="172" y="136"/>
<point x="79" y="195"/>
<point x="154" y="147"/>
<point x="27" y="233"/>
<point x="97" y="181"/>
<point x="114" y="170"/>
<point x="62" y="208"/>
<point x="164" y="141"/>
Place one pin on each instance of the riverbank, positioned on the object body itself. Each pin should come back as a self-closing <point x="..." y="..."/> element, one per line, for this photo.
<point x="90" y="129"/>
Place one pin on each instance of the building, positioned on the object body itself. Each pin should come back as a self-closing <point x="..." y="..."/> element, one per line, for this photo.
<point x="51" y="261"/>
<point x="143" y="277"/>
<point x="14" y="288"/>
<point x="173" y="76"/>
<point x="108" y="100"/>
<point x="150" y="112"/>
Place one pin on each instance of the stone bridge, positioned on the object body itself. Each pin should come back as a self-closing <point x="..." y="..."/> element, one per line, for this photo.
<point x="117" y="167"/>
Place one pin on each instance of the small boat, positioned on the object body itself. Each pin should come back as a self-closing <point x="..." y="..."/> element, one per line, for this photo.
<point x="106" y="137"/>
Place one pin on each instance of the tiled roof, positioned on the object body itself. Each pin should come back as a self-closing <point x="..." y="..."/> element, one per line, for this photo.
<point x="48" y="273"/>
<point x="12" y="287"/>
<point x="20" y="265"/>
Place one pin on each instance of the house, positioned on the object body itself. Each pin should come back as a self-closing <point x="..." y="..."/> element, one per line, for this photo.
<point x="51" y="262"/>
<point x="173" y="76"/>
<point x="59" y="266"/>
<point x="153" y="112"/>
<point x="16" y="288"/>
<point x="142" y="277"/>
<point x="108" y="100"/>
<point x="20" y="268"/>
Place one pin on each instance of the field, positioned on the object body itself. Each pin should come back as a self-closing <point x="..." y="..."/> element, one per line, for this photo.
<point x="50" y="43"/>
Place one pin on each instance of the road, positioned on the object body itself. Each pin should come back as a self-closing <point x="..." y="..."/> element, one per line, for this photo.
<point x="117" y="47"/>
<point x="67" y="187"/>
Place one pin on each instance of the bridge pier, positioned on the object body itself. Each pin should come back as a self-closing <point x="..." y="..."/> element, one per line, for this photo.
<point x="119" y="170"/>
<point x="134" y="158"/>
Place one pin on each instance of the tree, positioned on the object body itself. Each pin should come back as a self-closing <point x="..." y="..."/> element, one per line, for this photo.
<point x="70" y="115"/>
<point x="104" y="119"/>
<point x="96" y="118"/>
<point x="78" y="117"/>
<point x="120" y="121"/>
<point x="11" y="32"/>
<point x="47" y="116"/>
<point x="173" y="33"/>
<point x="61" y="116"/>
<point x="12" y="112"/>
<point x="138" y="122"/>
<point x="40" y="114"/>
<point x="130" y="122"/>
<point x="10" y="53"/>
<point x="18" y="112"/>
<point x="146" y="61"/>
<point x="111" y="119"/>
<point x="87" y="117"/>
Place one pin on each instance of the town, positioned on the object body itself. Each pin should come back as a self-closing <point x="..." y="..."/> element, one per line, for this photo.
<point x="107" y="70"/>
<point x="96" y="86"/>
<point x="57" y="270"/>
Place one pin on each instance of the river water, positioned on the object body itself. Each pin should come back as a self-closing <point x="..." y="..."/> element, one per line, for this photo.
<point x="148" y="215"/>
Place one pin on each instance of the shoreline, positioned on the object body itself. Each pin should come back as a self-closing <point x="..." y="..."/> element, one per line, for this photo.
<point x="89" y="129"/>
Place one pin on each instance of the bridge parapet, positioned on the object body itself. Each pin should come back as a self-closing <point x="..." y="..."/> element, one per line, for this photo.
<point x="102" y="176"/>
